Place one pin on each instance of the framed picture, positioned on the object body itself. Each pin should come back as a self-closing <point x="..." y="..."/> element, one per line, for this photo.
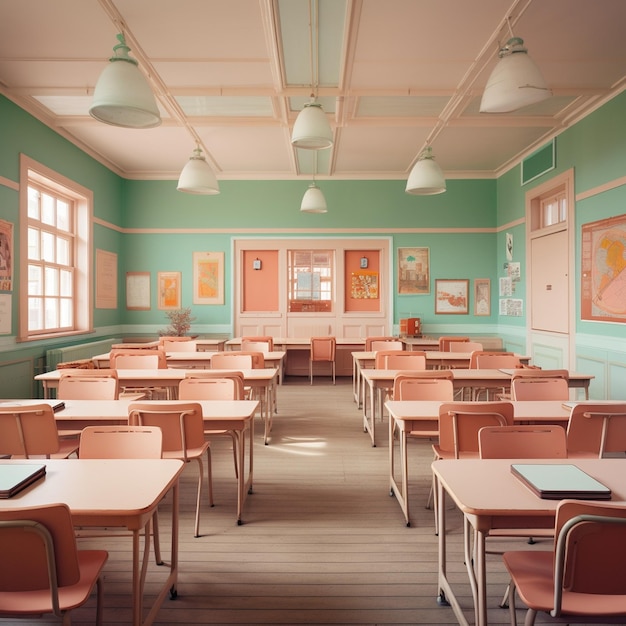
<point x="451" y="296"/>
<point x="208" y="277"/>
<point x="106" y="280"/>
<point x="482" y="296"/>
<point x="413" y="271"/>
<point x="138" y="291"/>
<point x="169" y="290"/>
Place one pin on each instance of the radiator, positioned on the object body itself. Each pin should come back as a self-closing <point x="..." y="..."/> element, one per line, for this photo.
<point x="79" y="351"/>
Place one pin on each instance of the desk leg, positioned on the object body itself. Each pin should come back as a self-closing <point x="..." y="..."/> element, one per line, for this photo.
<point x="244" y="486"/>
<point x="401" y="492"/>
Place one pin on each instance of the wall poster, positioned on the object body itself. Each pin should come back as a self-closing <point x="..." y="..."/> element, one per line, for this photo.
<point x="138" y="291"/>
<point x="208" y="278"/>
<point x="169" y="290"/>
<point x="6" y="256"/>
<point x="603" y="270"/>
<point x="413" y="271"/>
<point x="364" y="285"/>
<point x="106" y="280"/>
<point x="451" y="296"/>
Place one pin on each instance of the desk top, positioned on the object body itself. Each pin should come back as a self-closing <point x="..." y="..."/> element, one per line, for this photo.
<point x="486" y="487"/>
<point x="98" y="490"/>
<point x="466" y="375"/>
<point x="303" y="341"/>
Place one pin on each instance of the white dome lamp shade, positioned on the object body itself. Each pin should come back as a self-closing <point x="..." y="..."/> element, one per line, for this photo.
<point x="197" y="176"/>
<point x="426" y="177"/>
<point x="313" y="200"/>
<point x="122" y="96"/>
<point x="311" y="130"/>
<point x="515" y="81"/>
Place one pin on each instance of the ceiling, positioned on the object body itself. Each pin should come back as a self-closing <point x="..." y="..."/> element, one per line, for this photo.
<point x="394" y="76"/>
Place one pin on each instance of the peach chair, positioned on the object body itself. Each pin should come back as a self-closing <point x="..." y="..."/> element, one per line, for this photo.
<point x="481" y="359"/>
<point x="179" y="346"/>
<point x="31" y="431"/>
<point x="445" y="341"/>
<point x="386" y="345"/>
<point x="596" y="430"/>
<point x="182" y="426"/>
<point x="219" y="386"/>
<point x="134" y="359"/>
<point x="88" y="385"/>
<point x="583" y="575"/>
<point x="266" y="341"/>
<point x="164" y="338"/>
<point x="322" y="351"/>
<point x="124" y="442"/>
<point x="43" y="571"/>
<point x="539" y="388"/>
<point x="527" y="371"/>
<point x="464" y="346"/>
<point x="370" y="340"/>
<point x="400" y="360"/>
<point x="231" y="361"/>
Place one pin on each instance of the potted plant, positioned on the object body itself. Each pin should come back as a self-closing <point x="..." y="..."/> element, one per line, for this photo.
<point x="180" y="323"/>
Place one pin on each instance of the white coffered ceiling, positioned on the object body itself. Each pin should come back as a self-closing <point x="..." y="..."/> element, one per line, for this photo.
<point x="394" y="76"/>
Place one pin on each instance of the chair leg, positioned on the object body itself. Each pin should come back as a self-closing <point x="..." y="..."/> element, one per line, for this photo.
<point x="155" y="538"/>
<point x="333" y="363"/>
<point x="235" y="448"/>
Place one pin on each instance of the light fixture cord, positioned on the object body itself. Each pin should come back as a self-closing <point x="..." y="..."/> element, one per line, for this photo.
<point x="314" y="46"/>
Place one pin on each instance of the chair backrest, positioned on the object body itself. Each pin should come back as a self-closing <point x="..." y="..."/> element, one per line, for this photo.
<point x="25" y="533"/>
<point x="445" y="341"/>
<point x="522" y="442"/>
<point x="95" y="385"/>
<point x="400" y="360"/>
<point x="231" y="361"/>
<point x="412" y="386"/>
<point x="481" y="359"/>
<point x="181" y="423"/>
<point x="164" y="338"/>
<point x="460" y="422"/>
<point x="527" y="371"/>
<point x="597" y="429"/>
<point x="386" y="345"/>
<point x="539" y="388"/>
<point x="464" y="346"/>
<point x="138" y="359"/>
<point x="223" y="387"/>
<point x="590" y="551"/>
<point x="120" y="442"/>
<point x="258" y="358"/>
<point x="179" y="346"/>
<point x="265" y="339"/>
<point x="28" y="430"/>
<point x="323" y="348"/>
<point x="370" y="340"/>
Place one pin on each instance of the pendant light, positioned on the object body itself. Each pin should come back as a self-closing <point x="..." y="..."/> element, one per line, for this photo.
<point x="122" y="96"/>
<point x="313" y="200"/>
<point x="515" y="81"/>
<point x="426" y="177"/>
<point x="312" y="130"/>
<point x="197" y="176"/>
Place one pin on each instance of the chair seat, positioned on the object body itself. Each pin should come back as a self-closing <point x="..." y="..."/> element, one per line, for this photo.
<point x="534" y="574"/>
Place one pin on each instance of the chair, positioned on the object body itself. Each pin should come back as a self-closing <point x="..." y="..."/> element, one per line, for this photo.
<point x="182" y="426"/>
<point x="124" y="442"/>
<point x="370" y="340"/>
<point x="88" y="385"/>
<point x="179" y="346"/>
<point x="532" y="371"/>
<point x="482" y="359"/>
<point x="539" y="388"/>
<point x="172" y="338"/>
<point x="464" y="346"/>
<point x="444" y="342"/>
<point x="596" y="430"/>
<point x="522" y="442"/>
<point x="400" y="360"/>
<point x="322" y="351"/>
<point x="42" y="570"/>
<point x="31" y="431"/>
<point x="231" y="361"/>
<point x="375" y="346"/>
<point x="134" y="359"/>
<point x="267" y="341"/>
<point x="582" y="577"/>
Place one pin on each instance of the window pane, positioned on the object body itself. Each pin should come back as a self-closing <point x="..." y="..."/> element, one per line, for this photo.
<point x="51" y="313"/>
<point x="33" y="244"/>
<point x="35" y="282"/>
<point x="66" y="283"/>
<point x="47" y="209"/>
<point x="35" y="313"/>
<point x="63" y="251"/>
<point x="63" y="215"/>
<point x="47" y="247"/>
<point x="51" y="281"/>
<point x="33" y="203"/>
<point x="66" y="313"/>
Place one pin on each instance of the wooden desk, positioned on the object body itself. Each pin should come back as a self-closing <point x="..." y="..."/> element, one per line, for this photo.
<point x="380" y="380"/>
<point x="410" y="415"/>
<point x="490" y="497"/>
<point x="210" y="345"/>
<point x="263" y="379"/>
<point x="420" y="343"/>
<point x="236" y="416"/>
<point x="113" y="493"/>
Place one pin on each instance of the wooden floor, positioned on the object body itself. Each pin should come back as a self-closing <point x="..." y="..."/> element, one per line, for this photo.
<point x="322" y="541"/>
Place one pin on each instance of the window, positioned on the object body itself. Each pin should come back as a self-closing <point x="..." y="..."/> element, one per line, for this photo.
<point x="553" y="210"/>
<point x="55" y="249"/>
<point x="311" y="281"/>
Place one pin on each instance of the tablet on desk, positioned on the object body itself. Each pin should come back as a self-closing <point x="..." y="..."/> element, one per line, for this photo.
<point x="17" y="476"/>
<point x="557" y="482"/>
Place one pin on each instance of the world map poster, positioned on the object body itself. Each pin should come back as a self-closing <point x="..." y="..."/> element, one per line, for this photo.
<point x="603" y="271"/>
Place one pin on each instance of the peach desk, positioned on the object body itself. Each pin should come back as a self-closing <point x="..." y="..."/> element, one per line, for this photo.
<point x="113" y="493"/>
<point x="490" y="496"/>
<point x="410" y="415"/>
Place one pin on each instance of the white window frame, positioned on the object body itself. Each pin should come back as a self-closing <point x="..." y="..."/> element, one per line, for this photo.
<point x="32" y="171"/>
